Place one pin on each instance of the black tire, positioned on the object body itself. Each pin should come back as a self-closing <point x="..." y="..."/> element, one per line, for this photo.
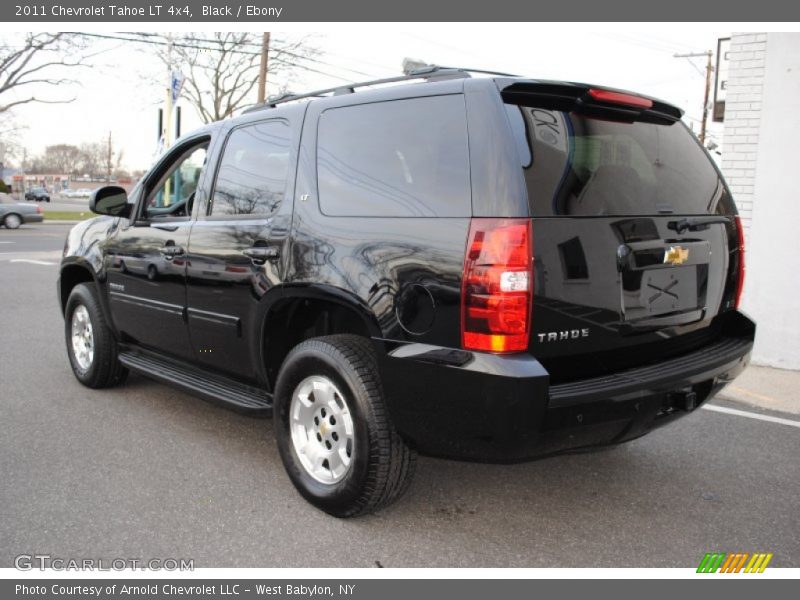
<point x="105" y="369"/>
<point x="382" y="464"/>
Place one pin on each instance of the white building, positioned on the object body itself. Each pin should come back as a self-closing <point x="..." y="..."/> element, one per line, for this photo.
<point x="761" y="162"/>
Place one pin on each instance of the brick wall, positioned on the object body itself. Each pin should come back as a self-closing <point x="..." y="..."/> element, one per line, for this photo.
<point x="743" y="118"/>
<point x="762" y="126"/>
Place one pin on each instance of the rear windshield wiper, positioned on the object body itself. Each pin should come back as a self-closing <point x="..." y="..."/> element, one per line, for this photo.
<point x="696" y="224"/>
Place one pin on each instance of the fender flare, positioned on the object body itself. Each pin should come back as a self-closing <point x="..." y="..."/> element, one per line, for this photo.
<point x="76" y="262"/>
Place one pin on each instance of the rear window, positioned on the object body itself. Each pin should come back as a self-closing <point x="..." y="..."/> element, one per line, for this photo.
<point x="577" y="165"/>
<point x="404" y="158"/>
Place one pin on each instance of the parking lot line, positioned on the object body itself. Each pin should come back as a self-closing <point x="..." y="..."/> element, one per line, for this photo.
<point x="33" y="262"/>
<point x="750" y="415"/>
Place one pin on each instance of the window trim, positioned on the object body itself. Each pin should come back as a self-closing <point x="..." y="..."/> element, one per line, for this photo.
<point x="465" y="113"/>
<point x="209" y="205"/>
<point x="161" y="169"/>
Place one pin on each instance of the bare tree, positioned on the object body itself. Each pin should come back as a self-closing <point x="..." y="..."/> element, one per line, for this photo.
<point x="62" y="158"/>
<point x="221" y="68"/>
<point x="35" y="63"/>
<point x="10" y="139"/>
<point x="91" y="158"/>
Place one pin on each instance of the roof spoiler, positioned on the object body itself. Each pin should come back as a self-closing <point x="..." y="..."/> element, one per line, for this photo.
<point x="592" y="101"/>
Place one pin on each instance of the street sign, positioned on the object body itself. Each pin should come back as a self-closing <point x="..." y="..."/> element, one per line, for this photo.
<point x="176" y="84"/>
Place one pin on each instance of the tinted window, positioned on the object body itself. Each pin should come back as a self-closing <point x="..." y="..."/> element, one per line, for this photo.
<point x="405" y="158"/>
<point x="577" y="165"/>
<point x="252" y="174"/>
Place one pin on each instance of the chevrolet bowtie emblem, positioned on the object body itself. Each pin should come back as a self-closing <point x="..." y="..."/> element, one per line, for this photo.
<point x="676" y="255"/>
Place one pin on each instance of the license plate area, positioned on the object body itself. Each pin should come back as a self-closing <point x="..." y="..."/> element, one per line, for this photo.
<point x="660" y="292"/>
<point x="652" y="287"/>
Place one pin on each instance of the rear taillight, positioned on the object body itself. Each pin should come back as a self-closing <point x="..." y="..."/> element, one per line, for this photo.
<point x="39" y="210"/>
<point x="740" y="274"/>
<point x="497" y="285"/>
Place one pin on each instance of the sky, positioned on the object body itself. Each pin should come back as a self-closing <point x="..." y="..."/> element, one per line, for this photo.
<point x="120" y="93"/>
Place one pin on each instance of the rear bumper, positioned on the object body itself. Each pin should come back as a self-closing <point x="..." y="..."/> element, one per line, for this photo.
<point x="494" y="408"/>
<point x="37" y="218"/>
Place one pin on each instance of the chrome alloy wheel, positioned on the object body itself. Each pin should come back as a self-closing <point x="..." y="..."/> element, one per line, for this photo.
<point x="82" y="337"/>
<point x="322" y="429"/>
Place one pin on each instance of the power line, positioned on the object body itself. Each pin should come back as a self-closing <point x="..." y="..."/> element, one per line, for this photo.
<point x="362" y="61"/>
<point x="255" y="45"/>
<point x="294" y="55"/>
<point x="650" y="43"/>
<point x="211" y="49"/>
<point x="696" y="68"/>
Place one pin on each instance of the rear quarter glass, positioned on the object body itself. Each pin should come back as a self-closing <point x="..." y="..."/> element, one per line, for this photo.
<point x="575" y="165"/>
<point x="401" y="158"/>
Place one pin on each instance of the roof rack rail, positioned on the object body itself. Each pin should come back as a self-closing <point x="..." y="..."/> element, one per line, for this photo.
<point x="428" y="73"/>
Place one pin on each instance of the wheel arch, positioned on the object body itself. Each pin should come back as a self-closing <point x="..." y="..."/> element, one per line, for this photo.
<point x="304" y="312"/>
<point x="72" y="274"/>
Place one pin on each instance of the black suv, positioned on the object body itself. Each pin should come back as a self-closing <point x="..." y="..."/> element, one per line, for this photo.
<point x="39" y="194"/>
<point x="482" y="268"/>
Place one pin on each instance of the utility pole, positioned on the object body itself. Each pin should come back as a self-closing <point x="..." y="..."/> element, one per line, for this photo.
<point x="168" y="117"/>
<point x="709" y="70"/>
<point x="109" y="157"/>
<point x="168" y="105"/>
<point x="262" y="71"/>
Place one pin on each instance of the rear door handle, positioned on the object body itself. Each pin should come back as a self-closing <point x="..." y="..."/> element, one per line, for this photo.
<point x="261" y="254"/>
<point x="172" y="251"/>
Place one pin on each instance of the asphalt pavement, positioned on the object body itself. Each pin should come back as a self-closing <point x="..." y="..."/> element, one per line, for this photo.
<point x="146" y="471"/>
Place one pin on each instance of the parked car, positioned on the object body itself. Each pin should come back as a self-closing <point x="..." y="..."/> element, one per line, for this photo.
<point x="77" y="193"/>
<point x="13" y="213"/>
<point x="39" y="194"/>
<point x="491" y="269"/>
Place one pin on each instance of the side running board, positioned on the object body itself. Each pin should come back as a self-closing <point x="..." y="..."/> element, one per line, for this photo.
<point x="222" y="390"/>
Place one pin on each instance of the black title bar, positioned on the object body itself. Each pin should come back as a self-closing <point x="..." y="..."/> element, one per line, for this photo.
<point x="199" y="11"/>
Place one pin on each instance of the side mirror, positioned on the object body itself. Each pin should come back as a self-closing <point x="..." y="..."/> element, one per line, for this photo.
<point x="110" y="200"/>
